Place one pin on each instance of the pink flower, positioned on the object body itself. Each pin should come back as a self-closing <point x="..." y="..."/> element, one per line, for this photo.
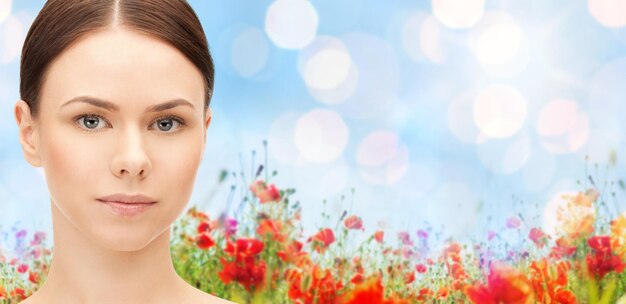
<point x="407" y="252"/>
<point x="422" y="234"/>
<point x="490" y="235"/>
<point x="22" y="268"/>
<point x="36" y="252"/>
<point x="230" y="226"/>
<point x="405" y="238"/>
<point x="538" y="237"/>
<point x="513" y="223"/>
<point x="421" y="268"/>
<point x="20" y="234"/>
<point x="39" y="237"/>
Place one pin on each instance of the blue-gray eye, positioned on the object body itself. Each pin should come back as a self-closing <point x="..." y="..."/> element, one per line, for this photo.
<point x="167" y="125"/>
<point x="90" y="121"/>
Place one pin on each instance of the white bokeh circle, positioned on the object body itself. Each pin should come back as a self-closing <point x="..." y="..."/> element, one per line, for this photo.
<point x="499" y="110"/>
<point x="563" y="126"/>
<point x="382" y="158"/>
<point x="610" y="13"/>
<point x="458" y="13"/>
<point x="327" y="69"/>
<point x="291" y="24"/>
<point x="321" y="135"/>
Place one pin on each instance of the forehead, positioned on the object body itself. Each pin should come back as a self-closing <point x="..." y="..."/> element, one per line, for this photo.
<point x="126" y="67"/>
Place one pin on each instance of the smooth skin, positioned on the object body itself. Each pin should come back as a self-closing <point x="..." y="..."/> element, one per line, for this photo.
<point x="100" y="257"/>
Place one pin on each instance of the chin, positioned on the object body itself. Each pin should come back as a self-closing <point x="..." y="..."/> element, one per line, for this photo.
<point x="123" y="240"/>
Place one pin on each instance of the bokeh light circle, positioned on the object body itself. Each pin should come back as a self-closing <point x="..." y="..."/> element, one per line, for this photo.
<point x="382" y="158"/>
<point x="563" y="127"/>
<point x="610" y="13"/>
<point x="551" y="222"/>
<point x="5" y="9"/>
<point x="458" y="13"/>
<point x="11" y="39"/>
<point x="327" y="69"/>
<point x="498" y="44"/>
<point x="291" y="24"/>
<point x="421" y="38"/>
<point x="505" y="156"/>
<point x="321" y="135"/>
<point x="250" y="51"/>
<point x="499" y="110"/>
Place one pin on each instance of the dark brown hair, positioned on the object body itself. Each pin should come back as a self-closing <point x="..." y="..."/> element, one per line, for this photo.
<point x="61" y="22"/>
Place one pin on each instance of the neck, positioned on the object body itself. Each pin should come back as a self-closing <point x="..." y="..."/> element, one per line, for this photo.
<point x="84" y="271"/>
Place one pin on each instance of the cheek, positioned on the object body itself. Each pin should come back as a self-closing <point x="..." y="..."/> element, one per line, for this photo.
<point x="72" y="165"/>
<point x="177" y="168"/>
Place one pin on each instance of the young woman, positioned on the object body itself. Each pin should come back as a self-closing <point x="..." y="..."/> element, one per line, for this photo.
<point x="115" y="107"/>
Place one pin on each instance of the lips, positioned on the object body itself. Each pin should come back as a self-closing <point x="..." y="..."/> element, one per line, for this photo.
<point x="127" y="199"/>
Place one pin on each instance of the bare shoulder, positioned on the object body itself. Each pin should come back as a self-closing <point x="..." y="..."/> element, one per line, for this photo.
<point x="32" y="299"/>
<point x="200" y="296"/>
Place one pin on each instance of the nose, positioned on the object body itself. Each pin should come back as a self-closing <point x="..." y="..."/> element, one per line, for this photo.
<point x="131" y="157"/>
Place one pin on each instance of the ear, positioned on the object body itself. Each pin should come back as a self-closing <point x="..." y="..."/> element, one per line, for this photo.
<point x="207" y="122"/>
<point x="28" y="135"/>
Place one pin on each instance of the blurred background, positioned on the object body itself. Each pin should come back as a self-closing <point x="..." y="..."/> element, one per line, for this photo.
<point x="448" y="116"/>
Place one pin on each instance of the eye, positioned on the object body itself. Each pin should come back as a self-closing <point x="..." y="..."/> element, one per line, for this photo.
<point x="166" y="123"/>
<point x="89" y="121"/>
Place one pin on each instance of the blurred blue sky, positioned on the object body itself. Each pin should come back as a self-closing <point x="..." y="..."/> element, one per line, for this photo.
<point x="448" y="112"/>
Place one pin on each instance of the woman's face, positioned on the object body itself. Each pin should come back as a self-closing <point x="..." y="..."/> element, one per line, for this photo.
<point x="126" y="148"/>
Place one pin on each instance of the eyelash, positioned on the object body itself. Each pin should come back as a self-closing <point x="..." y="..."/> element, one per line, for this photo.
<point x="172" y="117"/>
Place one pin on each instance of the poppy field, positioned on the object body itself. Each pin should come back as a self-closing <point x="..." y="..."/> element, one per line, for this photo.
<point x="262" y="255"/>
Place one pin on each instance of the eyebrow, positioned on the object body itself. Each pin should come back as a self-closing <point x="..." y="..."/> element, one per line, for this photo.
<point x="114" y="108"/>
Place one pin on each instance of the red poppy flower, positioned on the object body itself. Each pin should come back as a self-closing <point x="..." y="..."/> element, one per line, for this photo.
<point x="33" y="277"/>
<point x="245" y="270"/>
<point x="562" y="249"/>
<point x="603" y="261"/>
<point x="271" y="228"/>
<point x="353" y="222"/>
<point x="357" y="278"/>
<point x="244" y="247"/>
<point x="600" y="243"/>
<point x="425" y="294"/>
<point x="370" y="291"/>
<point x="265" y="192"/>
<point x="320" y="286"/>
<point x="322" y="239"/>
<point x="204" y="226"/>
<point x="18" y="293"/>
<point x="204" y="241"/>
<point x="291" y="252"/>
<point x="549" y="288"/>
<point x="378" y="236"/>
<point x="409" y="277"/>
<point x="504" y="285"/>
